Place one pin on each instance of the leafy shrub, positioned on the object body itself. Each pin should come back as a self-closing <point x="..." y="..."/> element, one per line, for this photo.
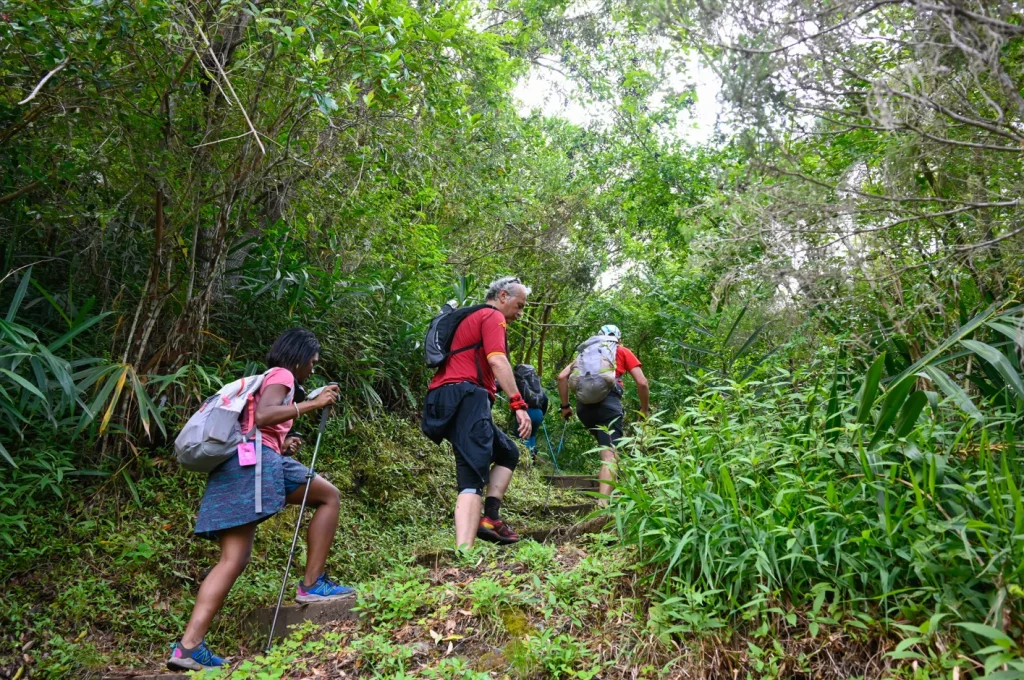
<point x="488" y="597"/>
<point x="535" y="555"/>
<point x="395" y="597"/>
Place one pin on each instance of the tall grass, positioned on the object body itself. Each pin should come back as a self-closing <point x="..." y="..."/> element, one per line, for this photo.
<point x="890" y="506"/>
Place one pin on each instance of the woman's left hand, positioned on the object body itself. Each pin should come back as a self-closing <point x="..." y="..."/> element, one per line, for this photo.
<point x="291" y="446"/>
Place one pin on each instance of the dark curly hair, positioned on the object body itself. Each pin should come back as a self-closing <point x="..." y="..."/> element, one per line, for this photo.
<point x="293" y="348"/>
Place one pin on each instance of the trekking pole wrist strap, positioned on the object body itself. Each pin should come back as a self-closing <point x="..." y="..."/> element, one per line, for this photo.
<point x="517" y="403"/>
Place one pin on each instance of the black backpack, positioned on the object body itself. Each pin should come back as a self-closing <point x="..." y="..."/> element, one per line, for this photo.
<point x="528" y="384"/>
<point x="438" y="345"/>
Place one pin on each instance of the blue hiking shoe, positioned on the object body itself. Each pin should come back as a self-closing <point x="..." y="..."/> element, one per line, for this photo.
<point x="323" y="589"/>
<point x="195" y="659"/>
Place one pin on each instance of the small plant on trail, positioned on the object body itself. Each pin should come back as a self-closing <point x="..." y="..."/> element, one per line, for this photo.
<point x="489" y="597"/>
<point x="536" y="556"/>
<point x="559" y="656"/>
<point x="378" y="654"/>
<point x="454" y="669"/>
<point x="395" y="597"/>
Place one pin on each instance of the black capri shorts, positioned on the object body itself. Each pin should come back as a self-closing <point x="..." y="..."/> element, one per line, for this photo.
<point x="602" y="416"/>
<point x="461" y="413"/>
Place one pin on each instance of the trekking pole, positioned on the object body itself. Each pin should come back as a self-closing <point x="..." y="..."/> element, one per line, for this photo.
<point x="551" y="451"/>
<point x="298" y="523"/>
<point x="547" y="496"/>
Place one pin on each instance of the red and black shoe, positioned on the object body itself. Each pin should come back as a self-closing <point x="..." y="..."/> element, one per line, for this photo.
<point x="496" y="531"/>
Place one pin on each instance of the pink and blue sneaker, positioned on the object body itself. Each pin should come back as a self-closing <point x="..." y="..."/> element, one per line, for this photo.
<point x="195" y="659"/>
<point x="324" y="589"/>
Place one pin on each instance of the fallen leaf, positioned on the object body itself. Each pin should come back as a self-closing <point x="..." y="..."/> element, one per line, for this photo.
<point x="451" y="646"/>
<point x="435" y="636"/>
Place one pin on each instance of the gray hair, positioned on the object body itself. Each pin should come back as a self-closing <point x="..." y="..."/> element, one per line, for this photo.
<point x="507" y="284"/>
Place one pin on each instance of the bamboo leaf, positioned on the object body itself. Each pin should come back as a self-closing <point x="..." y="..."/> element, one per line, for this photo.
<point x="750" y="341"/>
<point x="912" y="408"/>
<point x="998" y="361"/>
<point x="6" y="455"/>
<point x="891" y="405"/>
<point x="694" y="348"/>
<point x="960" y="333"/>
<point x="953" y="391"/>
<point x="74" y="332"/>
<point x="735" y="323"/>
<point x="113" y="401"/>
<point x="870" y="389"/>
<point x="25" y="384"/>
<point x="19" y="295"/>
<point x="832" y="415"/>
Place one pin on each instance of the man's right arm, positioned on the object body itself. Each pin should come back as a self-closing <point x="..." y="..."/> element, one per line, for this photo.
<point x="563" y="391"/>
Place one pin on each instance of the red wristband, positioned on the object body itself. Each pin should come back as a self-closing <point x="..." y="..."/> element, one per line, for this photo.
<point x="517" y="403"/>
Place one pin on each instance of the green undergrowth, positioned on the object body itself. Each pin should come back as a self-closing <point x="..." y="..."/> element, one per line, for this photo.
<point x="789" y="500"/>
<point x="534" y="611"/>
<point x="101" y="570"/>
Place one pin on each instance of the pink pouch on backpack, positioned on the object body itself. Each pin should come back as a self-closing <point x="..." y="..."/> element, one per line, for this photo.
<point x="246" y="454"/>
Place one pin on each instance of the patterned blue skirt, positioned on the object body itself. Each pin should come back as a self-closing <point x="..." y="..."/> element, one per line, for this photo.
<point x="230" y="496"/>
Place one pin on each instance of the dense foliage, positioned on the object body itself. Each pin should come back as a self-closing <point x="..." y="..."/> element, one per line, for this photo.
<point x="823" y="292"/>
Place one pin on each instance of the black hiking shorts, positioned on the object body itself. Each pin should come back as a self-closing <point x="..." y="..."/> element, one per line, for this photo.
<point x="603" y="419"/>
<point x="461" y="413"/>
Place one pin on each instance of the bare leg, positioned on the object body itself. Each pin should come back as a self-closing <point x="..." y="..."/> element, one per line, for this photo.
<point x="467" y="518"/>
<point x="499" y="481"/>
<point x="607" y="474"/>
<point x="325" y="498"/>
<point x="235" y="551"/>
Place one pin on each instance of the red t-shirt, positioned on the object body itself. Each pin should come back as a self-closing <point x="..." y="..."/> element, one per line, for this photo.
<point x="485" y="326"/>
<point x="625" y="361"/>
<point x="273" y="435"/>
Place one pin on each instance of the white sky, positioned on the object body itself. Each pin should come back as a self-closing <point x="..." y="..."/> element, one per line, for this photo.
<point x="544" y="90"/>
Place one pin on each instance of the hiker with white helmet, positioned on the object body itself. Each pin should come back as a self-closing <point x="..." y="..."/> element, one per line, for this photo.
<point x="595" y="376"/>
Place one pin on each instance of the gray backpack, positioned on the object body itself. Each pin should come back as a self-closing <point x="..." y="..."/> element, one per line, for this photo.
<point x="593" y="373"/>
<point x="213" y="433"/>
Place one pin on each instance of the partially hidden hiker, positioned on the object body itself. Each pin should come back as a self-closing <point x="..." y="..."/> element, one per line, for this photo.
<point x="470" y="350"/>
<point x="595" y="376"/>
<point x="536" y="398"/>
<point x="231" y="508"/>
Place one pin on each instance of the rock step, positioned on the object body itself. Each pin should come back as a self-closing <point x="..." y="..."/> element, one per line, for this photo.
<point x="558" y="534"/>
<point x="294" y="614"/>
<point x="585" y="482"/>
<point x="577" y="509"/>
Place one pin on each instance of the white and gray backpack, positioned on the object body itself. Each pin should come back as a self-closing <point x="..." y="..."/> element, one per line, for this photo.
<point x="213" y="433"/>
<point x="593" y="373"/>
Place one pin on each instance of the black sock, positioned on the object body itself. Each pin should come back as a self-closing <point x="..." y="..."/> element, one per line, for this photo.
<point x="491" y="507"/>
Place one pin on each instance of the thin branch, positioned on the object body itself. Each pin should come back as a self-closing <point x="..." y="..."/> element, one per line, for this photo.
<point x="227" y="81"/>
<point x="42" y="82"/>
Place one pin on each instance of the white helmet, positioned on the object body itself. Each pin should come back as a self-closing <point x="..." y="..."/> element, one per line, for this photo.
<point x="611" y="329"/>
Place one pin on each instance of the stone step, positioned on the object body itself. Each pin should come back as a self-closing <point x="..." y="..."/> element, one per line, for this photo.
<point x="294" y="614"/>
<point x="557" y="535"/>
<point x="291" y="615"/>
<point x="585" y="482"/>
<point x="577" y="509"/>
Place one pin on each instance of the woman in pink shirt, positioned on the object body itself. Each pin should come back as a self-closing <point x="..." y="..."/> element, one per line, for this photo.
<point x="227" y="512"/>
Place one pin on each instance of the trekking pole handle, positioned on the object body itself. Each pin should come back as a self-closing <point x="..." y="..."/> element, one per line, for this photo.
<point x="325" y="413"/>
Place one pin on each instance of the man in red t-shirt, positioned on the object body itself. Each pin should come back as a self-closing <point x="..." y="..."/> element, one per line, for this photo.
<point x="604" y="419"/>
<point x="458" y="408"/>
